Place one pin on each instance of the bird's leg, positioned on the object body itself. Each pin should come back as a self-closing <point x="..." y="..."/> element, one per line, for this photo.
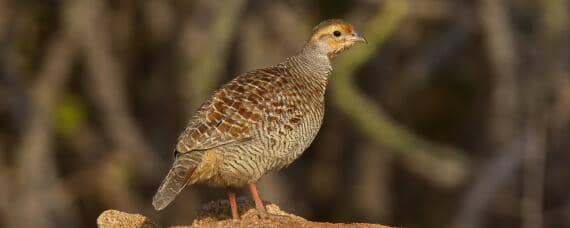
<point x="260" y="208"/>
<point x="233" y="203"/>
<point x="255" y="195"/>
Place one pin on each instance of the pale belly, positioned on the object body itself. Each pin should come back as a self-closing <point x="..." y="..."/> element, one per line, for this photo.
<point x="246" y="162"/>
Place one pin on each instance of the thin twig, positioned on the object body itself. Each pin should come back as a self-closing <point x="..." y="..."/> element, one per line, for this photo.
<point x="534" y="166"/>
<point x="552" y="39"/>
<point x="500" y="46"/>
<point x="494" y="176"/>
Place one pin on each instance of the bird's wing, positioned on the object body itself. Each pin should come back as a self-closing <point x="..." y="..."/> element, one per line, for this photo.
<point x="234" y="112"/>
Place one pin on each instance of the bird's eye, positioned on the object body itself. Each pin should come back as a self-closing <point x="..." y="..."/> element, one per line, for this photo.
<point x="336" y="33"/>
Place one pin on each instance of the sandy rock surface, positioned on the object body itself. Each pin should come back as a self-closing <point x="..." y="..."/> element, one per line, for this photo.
<point x="216" y="214"/>
<point x="113" y="218"/>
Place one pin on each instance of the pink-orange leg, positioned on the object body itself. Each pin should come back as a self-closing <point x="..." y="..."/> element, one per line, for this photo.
<point x="233" y="203"/>
<point x="255" y="195"/>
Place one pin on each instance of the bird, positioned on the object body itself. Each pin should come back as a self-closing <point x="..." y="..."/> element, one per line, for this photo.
<point x="260" y="121"/>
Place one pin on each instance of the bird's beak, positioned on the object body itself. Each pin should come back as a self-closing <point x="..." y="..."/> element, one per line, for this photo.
<point x="358" y="38"/>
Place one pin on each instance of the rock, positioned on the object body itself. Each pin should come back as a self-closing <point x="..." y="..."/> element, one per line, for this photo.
<point x="217" y="214"/>
<point x="113" y="218"/>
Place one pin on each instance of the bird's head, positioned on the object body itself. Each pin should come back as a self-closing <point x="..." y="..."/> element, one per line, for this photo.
<point x="333" y="36"/>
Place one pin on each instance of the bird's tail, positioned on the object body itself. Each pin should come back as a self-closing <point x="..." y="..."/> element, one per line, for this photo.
<point x="175" y="181"/>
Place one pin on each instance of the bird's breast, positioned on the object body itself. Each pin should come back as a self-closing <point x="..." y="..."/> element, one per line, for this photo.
<point x="292" y="137"/>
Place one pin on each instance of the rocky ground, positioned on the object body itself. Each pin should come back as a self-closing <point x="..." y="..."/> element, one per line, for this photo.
<point x="216" y="214"/>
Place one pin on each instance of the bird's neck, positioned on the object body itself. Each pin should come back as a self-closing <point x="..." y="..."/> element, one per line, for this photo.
<point x="311" y="70"/>
<point x="311" y="62"/>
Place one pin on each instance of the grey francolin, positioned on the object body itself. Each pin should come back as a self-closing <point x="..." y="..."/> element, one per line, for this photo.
<point x="260" y="121"/>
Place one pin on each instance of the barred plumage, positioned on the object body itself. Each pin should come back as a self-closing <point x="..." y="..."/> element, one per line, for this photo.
<point x="258" y="122"/>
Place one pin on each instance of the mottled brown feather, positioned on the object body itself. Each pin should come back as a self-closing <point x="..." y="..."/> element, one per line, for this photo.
<point x="236" y="110"/>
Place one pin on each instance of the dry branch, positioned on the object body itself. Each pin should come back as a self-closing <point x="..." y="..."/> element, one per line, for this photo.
<point x="106" y="76"/>
<point x="39" y="195"/>
<point x="500" y="47"/>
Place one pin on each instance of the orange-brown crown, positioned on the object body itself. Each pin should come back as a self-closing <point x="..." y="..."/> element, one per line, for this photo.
<point x="335" y="35"/>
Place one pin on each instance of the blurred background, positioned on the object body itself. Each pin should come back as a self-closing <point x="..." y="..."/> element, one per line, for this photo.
<point x="456" y="114"/>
